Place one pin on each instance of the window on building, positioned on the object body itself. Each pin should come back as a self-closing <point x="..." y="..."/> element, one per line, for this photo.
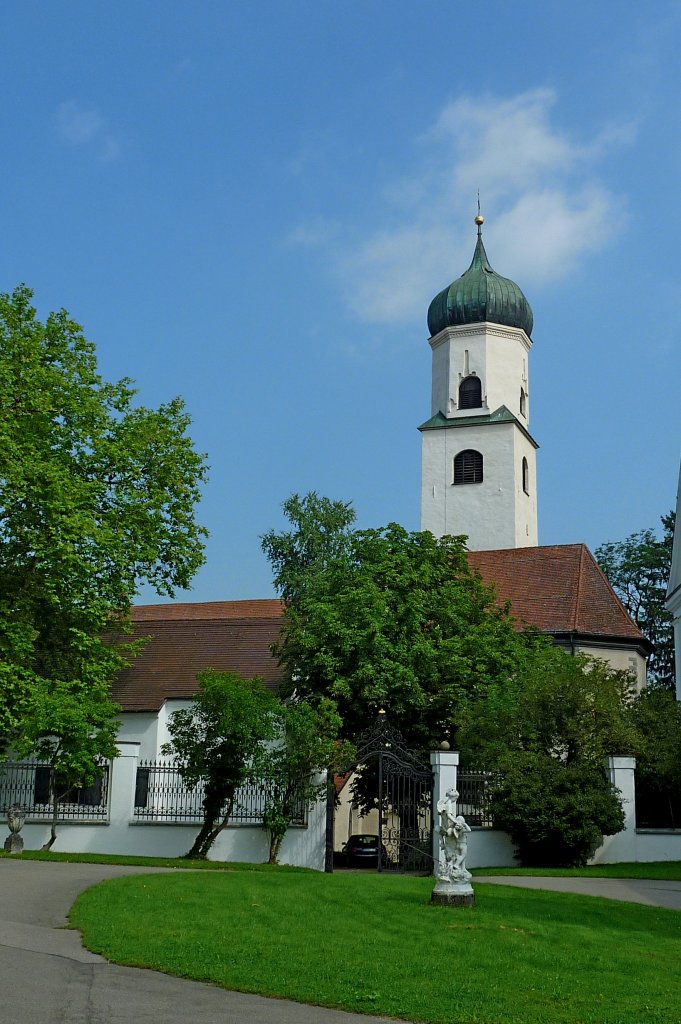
<point x="526" y="476"/>
<point x="523" y="402"/>
<point x="468" y="467"/>
<point x="88" y="796"/>
<point x="470" y="393"/>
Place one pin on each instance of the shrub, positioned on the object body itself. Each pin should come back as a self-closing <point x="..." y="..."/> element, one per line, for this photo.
<point x="556" y="813"/>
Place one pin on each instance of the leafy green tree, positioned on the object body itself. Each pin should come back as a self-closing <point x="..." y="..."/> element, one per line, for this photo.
<point x="321" y="533"/>
<point x="219" y="741"/>
<point x="572" y="708"/>
<point x="294" y="767"/>
<point x="545" y="735"/>
<point x="638" y="569"/>
<point x="555" y="813"/>
<point x="97" y="496"/>
<point x="387" y="619"/>
<point x="71" y="728"/>
<point x="657" y="715"/>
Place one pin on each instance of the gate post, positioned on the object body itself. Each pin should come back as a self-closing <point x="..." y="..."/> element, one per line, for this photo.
<point x="444" y="764"/>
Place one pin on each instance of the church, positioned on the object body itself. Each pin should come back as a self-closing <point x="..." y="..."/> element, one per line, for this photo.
<point x="478" y="478"/>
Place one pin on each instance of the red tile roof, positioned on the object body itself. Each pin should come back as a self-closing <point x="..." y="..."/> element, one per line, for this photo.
<point x="558" y="589"/>
<point x="230" y="636"/>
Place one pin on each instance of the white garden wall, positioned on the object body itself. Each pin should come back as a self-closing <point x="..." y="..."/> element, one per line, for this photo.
<point x="303" y="846"/>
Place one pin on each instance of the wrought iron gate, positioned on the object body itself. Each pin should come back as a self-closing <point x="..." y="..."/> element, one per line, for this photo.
<point x="395" y="781"/>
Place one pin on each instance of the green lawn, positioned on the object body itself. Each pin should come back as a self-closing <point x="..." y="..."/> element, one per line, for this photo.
<point x="144" y="862"/>
<point x="666" y="870"/>
<point x="669" y="871"/>
<point x="373" y="944"/>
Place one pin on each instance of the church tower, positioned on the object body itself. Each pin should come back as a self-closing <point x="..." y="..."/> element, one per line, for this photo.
<point x="478" y="465"/>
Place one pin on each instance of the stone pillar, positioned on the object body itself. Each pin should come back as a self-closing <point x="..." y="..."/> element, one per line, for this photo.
<point x="621" y="847"/>
<point x="621" y="771"/>
<point x="444" y="764"/>
<point x="122" y="793"/>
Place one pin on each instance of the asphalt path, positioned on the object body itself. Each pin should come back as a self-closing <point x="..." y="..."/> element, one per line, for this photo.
<point x="47" y="977"/>
<point x="649" y="891"/>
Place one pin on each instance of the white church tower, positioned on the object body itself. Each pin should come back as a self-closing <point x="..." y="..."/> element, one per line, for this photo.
<point x="478" y="468"/>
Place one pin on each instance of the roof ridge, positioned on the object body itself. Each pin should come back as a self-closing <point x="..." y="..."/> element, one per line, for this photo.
<point x="618" y="601"/>
<point x="577" y="600"/>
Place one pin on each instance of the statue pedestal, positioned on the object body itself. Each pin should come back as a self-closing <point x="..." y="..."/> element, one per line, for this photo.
<point x="14" y="843"/>
<point x="453" y="894"/>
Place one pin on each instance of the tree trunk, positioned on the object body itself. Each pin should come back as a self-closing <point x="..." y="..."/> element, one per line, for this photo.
<point x="275" y="846"/>
<point x="54" y="801"/>
<point x="209" y="831"/>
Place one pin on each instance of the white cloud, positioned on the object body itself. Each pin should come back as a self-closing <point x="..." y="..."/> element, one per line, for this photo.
<point x="82" y="126"/>
<point x="546" y="208"/>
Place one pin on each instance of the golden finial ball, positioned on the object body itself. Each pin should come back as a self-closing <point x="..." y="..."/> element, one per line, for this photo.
<point x="479" y="220"/>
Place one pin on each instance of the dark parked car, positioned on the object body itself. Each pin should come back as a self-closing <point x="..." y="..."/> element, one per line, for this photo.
<point x="362" y="851"/>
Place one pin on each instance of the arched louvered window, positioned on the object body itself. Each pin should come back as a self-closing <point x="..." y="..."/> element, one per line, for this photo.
<point x="523" y="402"/>
<point x="470" y="393"/>
<point x="468" y="467"/>
<point x="526" y="477"/>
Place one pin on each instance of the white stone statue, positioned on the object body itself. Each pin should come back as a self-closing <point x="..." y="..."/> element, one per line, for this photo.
<point x="453" y="841"/>
<point x="453" y="886"/>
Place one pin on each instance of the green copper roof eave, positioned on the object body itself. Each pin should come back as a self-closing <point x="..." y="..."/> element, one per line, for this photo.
<point x="499" y="416"/>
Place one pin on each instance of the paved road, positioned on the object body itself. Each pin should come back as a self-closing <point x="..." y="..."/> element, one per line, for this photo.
<point x="631" y="890"/>
<point x="46" y="977"/>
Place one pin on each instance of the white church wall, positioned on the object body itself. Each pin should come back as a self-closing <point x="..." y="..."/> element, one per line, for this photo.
<point x="140" y="727"/>
<point x="622" y="659"/>
<point x="525" y="512"/>
<point x="495" y="354"/>
<point x="486" y="512"/>
<point x="507" y="351"/>
<point x="149" y="728"/>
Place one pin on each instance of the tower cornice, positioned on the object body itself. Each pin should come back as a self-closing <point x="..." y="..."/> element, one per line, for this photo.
<point x="475" y="330"/>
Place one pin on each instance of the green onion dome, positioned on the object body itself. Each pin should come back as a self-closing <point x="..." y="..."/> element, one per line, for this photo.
<point x="478" y="296"/>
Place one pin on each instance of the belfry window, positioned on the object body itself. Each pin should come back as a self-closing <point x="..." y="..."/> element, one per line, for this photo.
<point x="470" y="393"/>
<point x="523" y="402"/>
<point x="468" y="467"/>
<point x="526" y="477"/>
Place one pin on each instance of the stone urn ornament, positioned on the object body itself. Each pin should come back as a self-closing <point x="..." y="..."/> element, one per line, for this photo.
<point x="16" y="816"/>
<point x="453" y="887"/>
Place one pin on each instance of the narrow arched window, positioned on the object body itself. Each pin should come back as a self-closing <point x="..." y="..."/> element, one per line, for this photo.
<point x="470" y="393"/>
<point x="523" y="402"/>
<point x="526" y="477"/>
<point x="468" y="467"/>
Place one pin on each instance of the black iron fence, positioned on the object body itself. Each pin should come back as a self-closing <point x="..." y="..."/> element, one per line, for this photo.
<point x="162" y="795"/>
<point x="474" y="796"/>
<point x="28" y="784"/>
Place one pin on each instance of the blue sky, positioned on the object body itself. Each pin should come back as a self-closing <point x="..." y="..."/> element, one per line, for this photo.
<point x="251" y="205"/>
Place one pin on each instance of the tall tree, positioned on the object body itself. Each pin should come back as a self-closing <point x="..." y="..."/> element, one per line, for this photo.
<point x="295" y="766"/>
<point x="219" y="742"/>
<point x="387" y="618"/>
<point x="638" y="569"/>
<point x="97" y="495"/>
<point x="545" y="735"/>
<point x="321" y="534"/>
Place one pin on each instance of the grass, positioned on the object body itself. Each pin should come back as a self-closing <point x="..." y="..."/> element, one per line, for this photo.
<point x="669" y="871"/>
<point x="145" y="862"/>
<point x="373" y="944"/>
